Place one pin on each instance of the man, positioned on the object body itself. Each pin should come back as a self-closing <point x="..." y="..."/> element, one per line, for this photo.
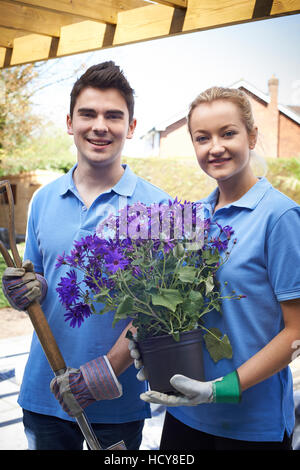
<point x="100" y="120"/>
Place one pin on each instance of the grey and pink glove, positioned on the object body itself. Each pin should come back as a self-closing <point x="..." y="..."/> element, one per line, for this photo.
<point x="78" y="388"/>
<point x="21" y="286"/>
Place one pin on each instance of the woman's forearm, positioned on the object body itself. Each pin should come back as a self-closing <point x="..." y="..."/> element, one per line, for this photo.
<point x="119" y="355"/>
<point x="278" y="353"/>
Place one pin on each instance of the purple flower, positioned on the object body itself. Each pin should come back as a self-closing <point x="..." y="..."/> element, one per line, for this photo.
<point x="228" y="231"/>
<point x="77" y="314"/>
<point x="60" y="260"/>
<point x="114" y="261"/>
<point x="168" y="246"/>
<point x="68" y="289"/>
<point x="75" y="258"/>
<point x="219" y="244"/>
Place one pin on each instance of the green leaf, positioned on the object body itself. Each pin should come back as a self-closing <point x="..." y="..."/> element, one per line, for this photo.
<point x="176" y="336"/>
<point x="124" y="309"/>
<point x="218" y="347"/>
<point x="101" y="296"/>
<point x="168" y="298"/>
<point x="187" y="274"/>
<point x="209" y="284"/>
<point x="196" y="297"/>
<point x="210" y="257"/>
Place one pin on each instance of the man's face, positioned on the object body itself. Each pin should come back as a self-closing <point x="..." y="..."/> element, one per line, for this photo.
<point x="100" y="125"/>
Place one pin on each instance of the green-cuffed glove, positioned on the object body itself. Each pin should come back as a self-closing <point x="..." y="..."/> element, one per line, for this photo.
<point x="192" y="392"/>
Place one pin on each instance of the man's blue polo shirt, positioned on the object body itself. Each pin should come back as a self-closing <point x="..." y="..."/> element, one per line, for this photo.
<point x="57" y="217"/>
<point x="264" y="265"/>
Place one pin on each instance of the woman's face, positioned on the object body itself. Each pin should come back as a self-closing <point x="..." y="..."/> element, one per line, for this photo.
<point x="220" y="138"/>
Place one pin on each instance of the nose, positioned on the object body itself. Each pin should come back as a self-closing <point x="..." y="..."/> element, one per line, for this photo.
<point x="99" y="125"/>
<point x="216" y="149"/>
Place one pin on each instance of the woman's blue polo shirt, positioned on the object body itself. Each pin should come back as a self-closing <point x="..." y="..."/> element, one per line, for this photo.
<point x="264" y="265"/>
<point x="57" y="217"/>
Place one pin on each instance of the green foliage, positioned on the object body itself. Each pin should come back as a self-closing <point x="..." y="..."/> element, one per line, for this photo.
<point x="16" y="118"/>
<point x="49" y="151"/>
<point x="182" y="177"/>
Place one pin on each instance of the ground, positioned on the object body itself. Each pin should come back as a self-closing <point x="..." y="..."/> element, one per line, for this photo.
<point x="14" y="323"/>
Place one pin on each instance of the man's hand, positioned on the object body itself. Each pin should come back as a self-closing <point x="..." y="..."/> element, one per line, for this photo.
<point x="193" y="392"/>
<point x="78" y="388"/>
<point x="21" y="286"/>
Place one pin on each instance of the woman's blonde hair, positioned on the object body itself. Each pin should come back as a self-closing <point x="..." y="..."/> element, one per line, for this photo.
<point x="234" y="95"/>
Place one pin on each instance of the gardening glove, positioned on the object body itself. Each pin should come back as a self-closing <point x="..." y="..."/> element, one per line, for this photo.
<point x="21" y="286"/>
<point x="138" y="363"/>
<point x="78" y="388"/>
<point x="192" y="392"/>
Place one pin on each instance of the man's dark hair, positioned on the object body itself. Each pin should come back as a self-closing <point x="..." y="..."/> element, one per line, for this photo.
<point x="103" y="76"/>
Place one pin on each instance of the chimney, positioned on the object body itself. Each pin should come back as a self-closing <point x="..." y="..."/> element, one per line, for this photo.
<point x="273" y="118"/>
<point x="273" y="91"/>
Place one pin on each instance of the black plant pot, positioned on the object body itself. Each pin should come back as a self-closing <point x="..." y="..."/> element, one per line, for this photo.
<point x="164" y="357"/>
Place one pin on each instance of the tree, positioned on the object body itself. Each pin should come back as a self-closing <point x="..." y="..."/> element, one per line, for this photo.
<point x="17" y="120"/>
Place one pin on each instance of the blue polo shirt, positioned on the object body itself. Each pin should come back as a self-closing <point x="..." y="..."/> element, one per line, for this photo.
<point x="264" y="265"/>
<point x="57" y="217"/>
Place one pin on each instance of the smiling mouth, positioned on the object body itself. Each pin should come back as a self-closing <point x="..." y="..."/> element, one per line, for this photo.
<point x="219" y="161"/>
<point x="99" y="143"/>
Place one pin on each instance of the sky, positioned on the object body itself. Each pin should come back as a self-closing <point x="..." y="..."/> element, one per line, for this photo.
<point x="167" y="74"/>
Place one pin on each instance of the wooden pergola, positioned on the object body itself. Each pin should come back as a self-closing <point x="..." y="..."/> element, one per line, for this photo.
<point x="34" y="30"/>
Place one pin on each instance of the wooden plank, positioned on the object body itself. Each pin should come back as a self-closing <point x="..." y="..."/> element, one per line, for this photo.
<point x="143" y="23"/>
<point x="203" y="14"/>
<point x="2" y="62"/>
<point x="7" y="36"/>
<point x="285" y="6"/>
<point x="30" y="48"/>
<point x="80" y="37"/>
<point x="33" y="20"/>
<point x="174" y="3"/>
<point x="100" y="10"/>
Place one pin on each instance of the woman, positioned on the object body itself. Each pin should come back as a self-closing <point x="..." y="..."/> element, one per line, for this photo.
<point x="247" y="401"/>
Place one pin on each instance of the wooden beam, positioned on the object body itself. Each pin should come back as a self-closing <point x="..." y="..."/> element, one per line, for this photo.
<point x="281" y="7"/>
<point x="65" y="33"/>
<point x="143" y="23"/>
<point x="84" y="36"/>
<point x="31" y="48"/>
<point x="7" y="36"/>
<point x="98" y="10"/>
<point x="174" y="3"/>
<point x="33" y="20"/>
<point x="2" y="59"/>
<point x="202" y="14"/>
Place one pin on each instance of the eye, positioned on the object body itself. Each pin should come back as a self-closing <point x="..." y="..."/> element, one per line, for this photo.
<point x="87" y="114"/>
<point x="229" y="133"/>
<point x="201" y="139"/>
<point x="114" y="116"/>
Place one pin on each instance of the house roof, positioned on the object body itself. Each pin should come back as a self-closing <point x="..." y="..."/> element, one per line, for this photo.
<point x="285" y="109"/>
<point x="293" y="112"/>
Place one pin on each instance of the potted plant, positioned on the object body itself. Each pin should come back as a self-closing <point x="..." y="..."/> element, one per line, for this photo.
<point x="155" y="265"/>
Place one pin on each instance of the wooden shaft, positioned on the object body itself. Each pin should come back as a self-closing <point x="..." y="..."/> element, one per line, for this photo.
<point x="34" y="310"/>
<point x="46" y="337"/>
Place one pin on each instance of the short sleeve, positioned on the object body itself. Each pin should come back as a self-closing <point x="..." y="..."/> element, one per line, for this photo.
<point x="283" y="255"/>
<point x="32" y="251"/>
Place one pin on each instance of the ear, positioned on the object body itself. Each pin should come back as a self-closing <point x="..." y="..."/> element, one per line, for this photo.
<point x="131" y="129"/>
<point x="253" y="138"/>
<point x="69" y="125"/>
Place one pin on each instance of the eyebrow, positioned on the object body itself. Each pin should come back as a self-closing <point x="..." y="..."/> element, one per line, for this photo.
<point x="92" y="110"/>
<point x="221" y="129"/>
